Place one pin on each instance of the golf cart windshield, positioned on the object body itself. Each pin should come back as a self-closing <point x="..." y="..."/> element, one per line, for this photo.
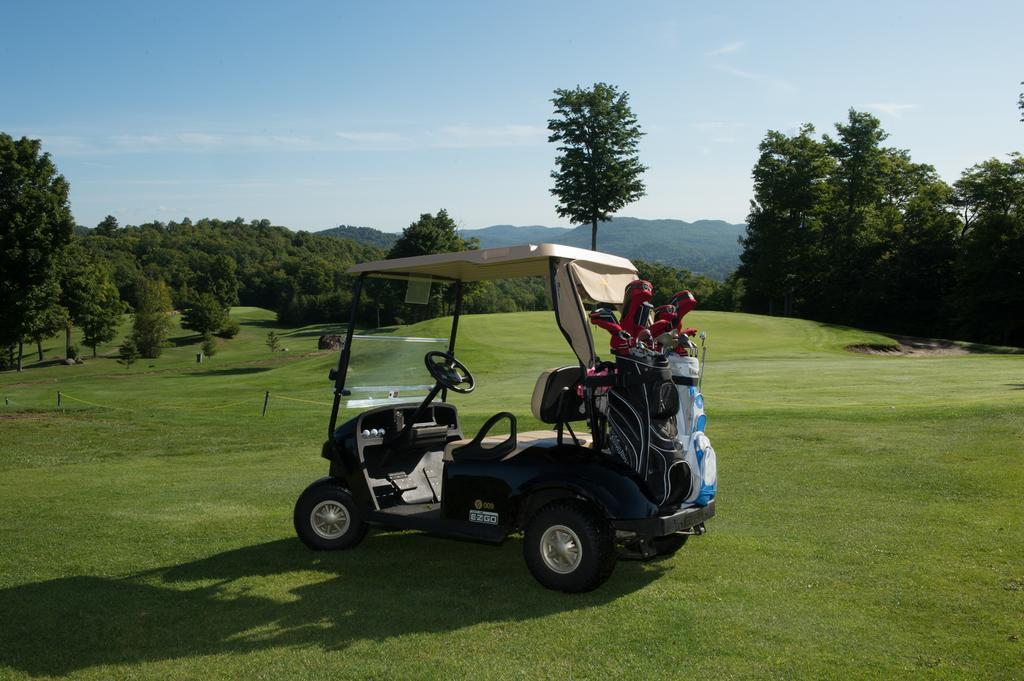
<point x="385" y="369"/>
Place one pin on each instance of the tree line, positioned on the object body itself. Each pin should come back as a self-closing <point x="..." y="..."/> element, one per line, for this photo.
<point x="844" y="229"/>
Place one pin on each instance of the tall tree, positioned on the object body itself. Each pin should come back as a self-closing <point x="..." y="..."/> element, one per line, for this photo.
<point x="853" y="227"/>
<point x="218" y="278"/>
<point x="107" y="226"/>
<point x="151" y="321"/>
<point x="35" y="223"/>
<point x="598" y="170"/>
<point x="101" y="311"/>
<point x="989" y="299"/>
<point x="204" y="314"/>
<point x="785" y="221"/>
<point x="45" y="317"/>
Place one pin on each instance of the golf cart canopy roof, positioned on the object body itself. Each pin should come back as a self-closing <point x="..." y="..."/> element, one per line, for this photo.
<point x="599" y="276"/>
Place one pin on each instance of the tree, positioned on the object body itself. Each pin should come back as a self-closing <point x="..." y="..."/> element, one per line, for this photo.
<point x="127" y="353"/>
<point x="273" y="341"/>
<point x="107" y="226"/>
<point x="204" y="314"/>
<point x="428" y="235"/>
<point x="151" y="322"/>
<point x="785" y="220"/>
<point x="1020" y="105"/>
<point x="35" y="223"/>
<point x="44" y="317"/>
<point x="598" y="169"/>
<point x="989" y="298"/>
<point x="88" y="294"/>
<point x="846" y="230"/>
<point x="100" y="315"/>
<point x="209" y="345"/>
<point x="219" y="279"/>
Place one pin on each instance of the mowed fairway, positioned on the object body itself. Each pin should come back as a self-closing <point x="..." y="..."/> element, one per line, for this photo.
<point x="869" y="526"/>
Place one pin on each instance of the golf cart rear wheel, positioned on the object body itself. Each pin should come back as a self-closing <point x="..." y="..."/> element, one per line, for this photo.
<point x="327" y="518"/>
<point x="669" y="544"/>
<point x="569" y="547"/>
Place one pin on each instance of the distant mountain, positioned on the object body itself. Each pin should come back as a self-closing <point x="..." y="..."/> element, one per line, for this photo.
<point x="364" y="235"/>
<point x="705" y="247"/>
<point x="511" y="235"/>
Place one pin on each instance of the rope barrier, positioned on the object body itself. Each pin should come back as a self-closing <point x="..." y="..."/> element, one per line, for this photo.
<point x="296" y="399"/>
<point x="92" y="404"/>
<point x="190" y="408"/>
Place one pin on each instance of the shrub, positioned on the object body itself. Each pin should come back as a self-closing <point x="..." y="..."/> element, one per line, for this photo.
<point x="209" y="345"/>
<point x="128" y="353"/>
<point x="204" y="314"/>
<point x="230" y="329"/>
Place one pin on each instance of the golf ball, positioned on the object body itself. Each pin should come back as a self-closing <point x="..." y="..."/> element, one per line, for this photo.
<point x="366" y="433"/>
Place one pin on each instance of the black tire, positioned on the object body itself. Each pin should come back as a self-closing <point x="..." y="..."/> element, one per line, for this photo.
<point x="328" y="519"/>
<point x="586" y="563"/>
<point x="669" y="544"/>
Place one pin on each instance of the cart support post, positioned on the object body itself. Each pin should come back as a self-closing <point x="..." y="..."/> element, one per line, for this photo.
<point x="346" y="352"/>
<point x="455" y="329"/>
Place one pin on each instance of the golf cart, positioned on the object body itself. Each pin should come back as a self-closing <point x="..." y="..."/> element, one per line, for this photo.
<point x="581" y="496"/>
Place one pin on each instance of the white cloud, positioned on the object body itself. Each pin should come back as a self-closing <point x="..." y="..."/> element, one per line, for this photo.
<point x="200" y="139"/>
<point x="137" y="142"/>
<point x="467" y="136"/>
<point x="369" y="137"/>
<point x="762" y="79"/>
<point x="891" y="108"/>
<point x="734" y="46"/>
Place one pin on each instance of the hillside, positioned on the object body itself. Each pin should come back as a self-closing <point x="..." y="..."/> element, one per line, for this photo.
<point x="364" y="235"/>
<point x="707" y="247"/>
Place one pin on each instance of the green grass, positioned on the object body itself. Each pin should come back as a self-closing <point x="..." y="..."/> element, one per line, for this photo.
<point x="869" y="523"/>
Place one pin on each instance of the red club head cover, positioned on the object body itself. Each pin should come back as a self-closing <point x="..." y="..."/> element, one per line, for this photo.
<point x="661" y="326"/>
<point x="605" y="318"/>
<point x="633" y="311"/>
<point x="684" y="302"/>
<point x="665" y="313"/>
<point x="621" y="342"/>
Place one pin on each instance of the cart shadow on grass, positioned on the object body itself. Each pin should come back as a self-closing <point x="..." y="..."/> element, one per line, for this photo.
<point x="279" y="594"/>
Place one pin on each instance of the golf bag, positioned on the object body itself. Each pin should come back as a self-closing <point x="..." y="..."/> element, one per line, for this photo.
<point x="642" y="408"/>
<point x="698" y="453"/>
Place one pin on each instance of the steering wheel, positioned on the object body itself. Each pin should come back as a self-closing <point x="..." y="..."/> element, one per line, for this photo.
<point x="449" y="372"/>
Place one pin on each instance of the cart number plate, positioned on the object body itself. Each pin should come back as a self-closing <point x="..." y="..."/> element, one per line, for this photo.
<point x="486" y="517"/>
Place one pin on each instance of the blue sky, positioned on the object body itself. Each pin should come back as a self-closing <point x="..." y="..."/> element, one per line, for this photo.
<point x="315" y="114"/>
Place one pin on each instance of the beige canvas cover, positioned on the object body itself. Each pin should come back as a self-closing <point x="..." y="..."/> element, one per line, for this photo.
<point x="571" y="315"/>
<point x="526" y="260"/>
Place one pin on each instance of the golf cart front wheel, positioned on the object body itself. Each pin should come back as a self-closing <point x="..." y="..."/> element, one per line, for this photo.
<point x="327" y="518"/>
<point x="569" y="547"/>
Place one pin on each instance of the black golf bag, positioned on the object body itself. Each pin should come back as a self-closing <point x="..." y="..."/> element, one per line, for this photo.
<point x="642" y="407"/>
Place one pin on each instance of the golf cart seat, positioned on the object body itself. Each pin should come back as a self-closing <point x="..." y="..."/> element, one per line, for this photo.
<point x="554" y="401"/>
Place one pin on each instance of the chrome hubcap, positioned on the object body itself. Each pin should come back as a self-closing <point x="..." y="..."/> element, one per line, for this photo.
<point x="560" y="548"/>
<point x="329" y="519"/>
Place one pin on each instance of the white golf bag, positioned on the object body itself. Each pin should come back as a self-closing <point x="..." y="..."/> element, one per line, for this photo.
<point x="690" y="423"/>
